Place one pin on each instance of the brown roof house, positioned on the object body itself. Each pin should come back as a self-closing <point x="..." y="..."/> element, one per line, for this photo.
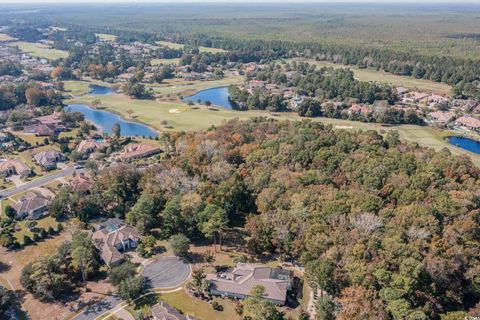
<point x="12" y="167"/>
<point x="164" y="311"/>
<point x="82" y="183"/>
<point x="114" y="237"/>
<point x="137" y="151"/>
<point x="48" y="159"/>
<point x="90" y="145"/>
<point x="31" y="206"/>
<point x="468" y="122"/>
<point x="440" y="117"/>
<point x="239" y="282"/>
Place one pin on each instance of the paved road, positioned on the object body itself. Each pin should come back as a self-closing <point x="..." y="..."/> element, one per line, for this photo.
<point x="166" y="272"/>
<point x="39" y="182"/>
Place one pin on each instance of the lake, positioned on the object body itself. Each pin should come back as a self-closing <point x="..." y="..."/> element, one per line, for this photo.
<point x="95" y="89"/>
<point x="217" y="96"/>
<point x="465" y="143"/>
<point x="105" y="120"/>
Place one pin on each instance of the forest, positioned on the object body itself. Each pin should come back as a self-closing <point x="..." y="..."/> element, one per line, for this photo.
<point x="389" y="230"/>
<point x="378" y="36"/>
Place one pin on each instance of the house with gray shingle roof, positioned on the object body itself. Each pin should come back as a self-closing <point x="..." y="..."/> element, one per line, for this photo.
<point x="239" y="282"/>
<point x="114" y="237"/>
<point x="31" y="206"/>
<point x="48" y="159"/>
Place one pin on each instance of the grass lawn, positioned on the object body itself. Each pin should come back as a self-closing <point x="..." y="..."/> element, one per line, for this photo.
<point x="29" y="137"/>
<point x="156" y="62"/>
<point x="28" y="154"/>
<point x="40" y="50"/>
<point x="106" y="37"/>
<point x="190" y="306"/>
<point x="385" y="77"/>
<point x="42" y="223"/>
<point x="180" y="46"/>
<point x="5" y="37"/>
<point x="81" y="87"/>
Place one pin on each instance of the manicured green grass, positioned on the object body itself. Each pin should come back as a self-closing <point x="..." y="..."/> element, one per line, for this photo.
<point x="40" y="50"/>
<point x="190" y="306"/>
<point x="106" y="37"/>
<point x="184" y="87"/>
<point x="81" y="87"/>
<point x="156" y="62"/>
<point x="30" y="138"/>
<point x="384" y="77"/>
<point x="180" y="46"/>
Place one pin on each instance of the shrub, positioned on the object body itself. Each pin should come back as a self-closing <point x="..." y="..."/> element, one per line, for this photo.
<point x="26" y="240"/>
<point x="216" y="306"/>
<point x="43" y="233"/>
<point x="59" y="227"/>
<point x="36" y="237"/>
<point x="51" y="231"/>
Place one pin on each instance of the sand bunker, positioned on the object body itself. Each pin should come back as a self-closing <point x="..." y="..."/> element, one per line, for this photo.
<point x="174" y="111"/>
<point x="343" y="127"/>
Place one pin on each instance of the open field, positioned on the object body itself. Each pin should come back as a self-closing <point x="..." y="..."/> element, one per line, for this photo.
<point x="180" y="46"/>
<point x="39" y="50"/>
<point x="157" y="62"/>
<point x="5" y="37"/>
<point x="106" y="37"/>
<point x="384" y="77"/>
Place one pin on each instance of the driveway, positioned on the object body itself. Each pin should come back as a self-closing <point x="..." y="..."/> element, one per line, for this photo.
<point x="165" y="272"/>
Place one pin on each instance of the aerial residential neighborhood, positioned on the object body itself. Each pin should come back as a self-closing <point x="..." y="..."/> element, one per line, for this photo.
<point x="239" y="160"/>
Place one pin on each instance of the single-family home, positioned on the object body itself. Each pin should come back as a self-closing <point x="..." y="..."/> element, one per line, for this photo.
<point x="10" y="167"/>
<point x="82" y="183"/>
<point x="468" y="122"/>
<point x="440" y="117"/>
<point x="90" y="145"/>
<point x="359" y="109"/>
<point x="239" y="282"/>
<point x="31" y="206"/>
<point x="164" y="311"/>
<point x="114" y="237"/>
<point x="48" y="159"/>
<point x="137" y="151"/>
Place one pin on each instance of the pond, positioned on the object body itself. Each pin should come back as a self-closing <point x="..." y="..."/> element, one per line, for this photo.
<point x="105" y="120"/>
<point x="217" y="96"/>
<point x="96" y="89"/>
<point x="465" y="143"/>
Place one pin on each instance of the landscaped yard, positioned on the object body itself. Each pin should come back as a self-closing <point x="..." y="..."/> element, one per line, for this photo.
<point x="42" y="223"/>
<point x="385" y="77"/>
<point x="40" y="50"/>
<point x="190" y="306"/>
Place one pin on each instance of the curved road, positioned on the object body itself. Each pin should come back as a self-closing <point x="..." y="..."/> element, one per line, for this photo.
<point x="166" y="272"/>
